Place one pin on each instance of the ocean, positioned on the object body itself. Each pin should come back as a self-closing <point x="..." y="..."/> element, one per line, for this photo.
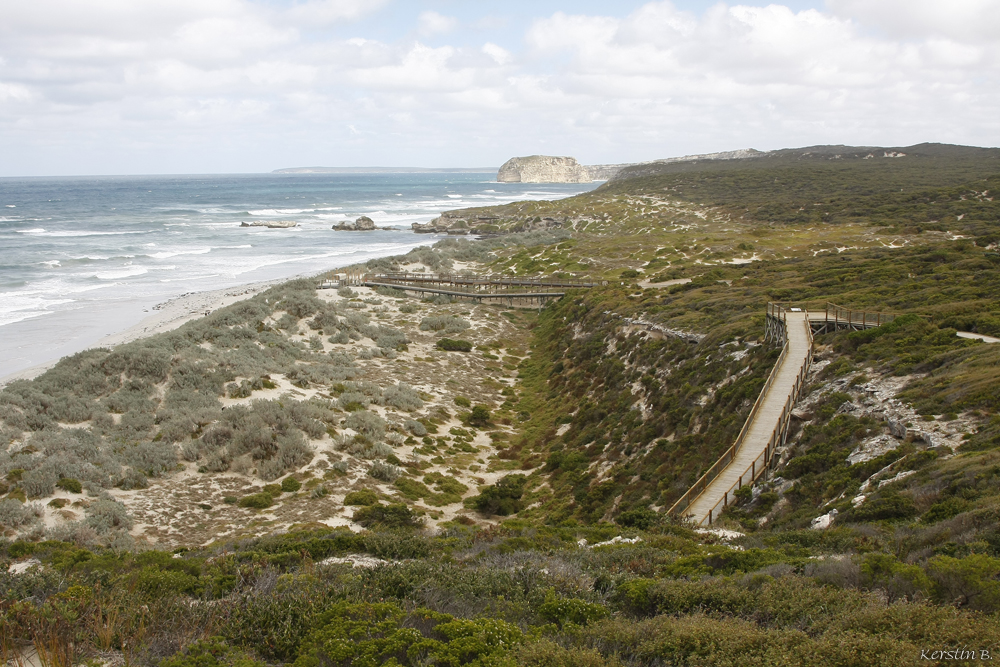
<point x="84" y="257"/>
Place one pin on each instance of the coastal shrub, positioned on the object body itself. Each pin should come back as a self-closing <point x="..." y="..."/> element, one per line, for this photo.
<point x="547" y="653"/>
<point x="641" y="518"/>
<point x="384" y="471"/>
<point x="480" y="416"/>
<point x="152" y="458"/>
<point x="396" y="515"/>
<point x="14" y="514"/>
<point x="130" y="478"/>
<point x="362" y="497"/>
<point x="502" y="498"/>
<point x="446" y="323"/>
<point x="392" y="292"/>
<point x="106" y="515"/>
<point x="415" y="427"/>
<point x="366" y="423"/>
<point x="402" y="396"/>
<point x="453" y="345"/>
<point x="463" y="402"/>
<point x="409" y="308"/>
<point x="257" y="501"/>
<point x="300" y="304"/>
<point x="368" y="450"/>
<point x="389" y="338"/>
<point x="70" y="484"/>
<point x="292" y="453"/>
<point x="382" y="633"/>
<point x="211" y="652"/>
<point x="140" y="360"/>
<point x="346" y="292"/>
<point x="290" y="485"/>
<point x="562" y="610"/>
<point x="242" y="465"/>
<point x="39" y="482"/>
<point x="351" y="401"/>
<point x="191" y="451"/>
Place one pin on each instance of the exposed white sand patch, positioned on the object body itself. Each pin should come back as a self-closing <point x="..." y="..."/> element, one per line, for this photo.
<point x="976" y="336"/>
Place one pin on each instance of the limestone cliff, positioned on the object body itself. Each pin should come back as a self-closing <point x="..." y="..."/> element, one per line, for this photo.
<point x="543" y="169"/>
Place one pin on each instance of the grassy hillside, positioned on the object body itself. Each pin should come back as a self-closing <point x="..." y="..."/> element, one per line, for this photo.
<point x="561" y="553"/>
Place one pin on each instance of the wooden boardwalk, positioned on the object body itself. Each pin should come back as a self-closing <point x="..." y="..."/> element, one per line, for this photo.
<point x="765" y="428"/>
<point x="767" y="425"/>
<point x="535" y="290"/>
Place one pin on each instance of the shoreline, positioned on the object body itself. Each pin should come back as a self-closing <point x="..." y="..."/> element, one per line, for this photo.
<point x="163" y="317"/>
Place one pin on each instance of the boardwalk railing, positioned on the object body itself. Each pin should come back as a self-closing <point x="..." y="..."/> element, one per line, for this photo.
<point x="482" y="281"/>
<point x="846" y="318"/>
<point x="729" y="455"/>
<point x="480" y="288"/>
<point x="826" y="317"/>
<point x="760" y="465"/>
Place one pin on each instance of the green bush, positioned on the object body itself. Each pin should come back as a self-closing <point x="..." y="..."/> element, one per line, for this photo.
<point x="361" y="497"/>
<point x="211" y="652"/>
<point x="369" y="635"/>
<point x="396" y="515"/>
<point x="290" y="485"/>
<point x="502" y="498"/>
<point x="452" y="345"/>
<point x="480" y="416"/>
<point x="258" y="501"/>
<point x="463" y="402"/>
<point x="638" y="517"/>
<point x="561" y="611"/>
<point x="70" y="484"/>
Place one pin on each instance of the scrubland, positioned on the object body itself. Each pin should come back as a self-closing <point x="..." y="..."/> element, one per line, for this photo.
<point x="355" y="477"/>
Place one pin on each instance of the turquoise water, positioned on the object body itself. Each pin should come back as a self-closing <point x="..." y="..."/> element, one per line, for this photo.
<point x="84" y="257"/>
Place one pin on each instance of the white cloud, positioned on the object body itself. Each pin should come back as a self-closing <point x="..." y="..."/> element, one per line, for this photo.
<point x="177" y="84"/>
<point x="499" y="54"/>
<point x="962" y="20"/>
<point x="432" y="23"/>
<point x="314" y="13"/>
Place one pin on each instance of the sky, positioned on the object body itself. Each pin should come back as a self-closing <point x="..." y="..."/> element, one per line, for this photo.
<point x="235" y="86"/>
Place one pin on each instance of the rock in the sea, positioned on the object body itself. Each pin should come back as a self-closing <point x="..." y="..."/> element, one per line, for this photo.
<point x="362" y="224"/>
<point x="543" y="169"/>
<point x="270" y="224"/>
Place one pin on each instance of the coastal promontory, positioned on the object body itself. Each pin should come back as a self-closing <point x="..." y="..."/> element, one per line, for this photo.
<point x="543" y="169"/>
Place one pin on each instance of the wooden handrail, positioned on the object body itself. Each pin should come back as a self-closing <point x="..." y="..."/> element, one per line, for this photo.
<point x="727" y="457"/>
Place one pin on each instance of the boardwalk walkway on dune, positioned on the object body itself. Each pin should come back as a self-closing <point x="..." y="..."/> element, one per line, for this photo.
<point x="766" y="426"/>
<point x="750" y="457"/>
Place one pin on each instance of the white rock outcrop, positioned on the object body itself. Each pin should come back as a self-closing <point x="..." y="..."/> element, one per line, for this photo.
<point x="543" y="169"/>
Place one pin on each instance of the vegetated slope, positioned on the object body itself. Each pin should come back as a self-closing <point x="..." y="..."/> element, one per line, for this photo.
<point x="621" y="413"/>
<point x="334" y="391"/>
<point x="931" y="187"/>
<point x="614" y="418"/>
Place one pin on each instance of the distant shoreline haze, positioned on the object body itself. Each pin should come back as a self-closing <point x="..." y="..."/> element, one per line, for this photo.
<point x="386" y="170"/>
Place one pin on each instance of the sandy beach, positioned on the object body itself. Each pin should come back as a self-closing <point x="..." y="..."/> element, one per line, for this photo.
<point x="163" y="317"/>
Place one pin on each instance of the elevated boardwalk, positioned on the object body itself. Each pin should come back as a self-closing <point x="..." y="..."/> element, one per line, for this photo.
<point x="478" y="288"/>
<point x="767" y="425"/>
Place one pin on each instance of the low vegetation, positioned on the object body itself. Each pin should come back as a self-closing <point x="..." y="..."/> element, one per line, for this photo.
<point x="523" y="522"/>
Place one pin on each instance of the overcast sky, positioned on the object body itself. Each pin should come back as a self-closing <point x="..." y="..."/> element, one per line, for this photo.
<point x="208" y="86"/>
